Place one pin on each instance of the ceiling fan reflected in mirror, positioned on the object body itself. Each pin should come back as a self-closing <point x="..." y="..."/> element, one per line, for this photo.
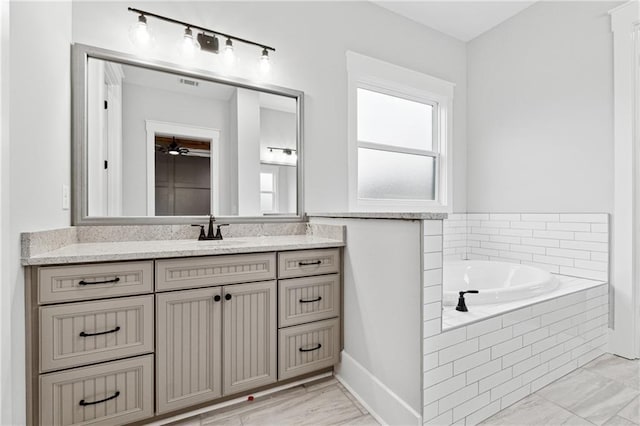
<point x="173" y="148"/>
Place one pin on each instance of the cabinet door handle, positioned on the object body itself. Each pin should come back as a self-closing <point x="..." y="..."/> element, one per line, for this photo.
<point x="217" y="298"/>
<point x="317" y="299"/>
<point x="315" y="262"/>
<point x="115" y="280"/>
<point x="311" y="349"/>
<point x="227" y="296"/>
<point x="84" y="403"/>
<point x="83" y="334"/>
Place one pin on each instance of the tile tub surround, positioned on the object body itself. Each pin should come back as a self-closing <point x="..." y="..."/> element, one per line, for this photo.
<point x="575" y="244"/>
<point x="96" y="240"/>
<point x="474" y="371"/>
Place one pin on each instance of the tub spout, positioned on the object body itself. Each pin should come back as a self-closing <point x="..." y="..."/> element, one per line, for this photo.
<point x="462" y="306"/>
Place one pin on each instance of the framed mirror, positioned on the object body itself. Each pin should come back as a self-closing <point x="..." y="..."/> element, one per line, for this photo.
<point x="158" y="143"/>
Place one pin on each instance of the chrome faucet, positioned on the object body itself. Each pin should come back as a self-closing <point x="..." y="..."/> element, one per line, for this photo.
<point x="209" y="235"/>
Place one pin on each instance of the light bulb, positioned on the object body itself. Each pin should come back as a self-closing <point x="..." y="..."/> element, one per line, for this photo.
<point x="189" y="45"/>
<point x="228" y="54"/>
<point x="265" y="63"/>
<point x="140" y="34"/>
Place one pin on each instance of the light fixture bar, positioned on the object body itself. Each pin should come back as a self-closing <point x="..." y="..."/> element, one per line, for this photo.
<point x="197" y="27"/>
<point x="287" y="151"/>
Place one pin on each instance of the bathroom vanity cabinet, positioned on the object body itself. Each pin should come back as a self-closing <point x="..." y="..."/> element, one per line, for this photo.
<point x="121" y="342"/>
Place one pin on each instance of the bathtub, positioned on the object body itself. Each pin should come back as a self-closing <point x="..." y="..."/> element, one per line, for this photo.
<point x="497" y="282"/>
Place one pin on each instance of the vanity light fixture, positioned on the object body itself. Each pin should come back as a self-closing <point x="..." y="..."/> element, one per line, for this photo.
<point x="206" y="39"/>
<point x="287" y="151"/>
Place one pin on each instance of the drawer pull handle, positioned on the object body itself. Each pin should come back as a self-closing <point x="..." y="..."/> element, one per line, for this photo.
<point x="312" y="349"/>
<point x="317" y="299"/>
<point x="115" y="280"/>
<point x="316" y="262"/>
<point x="83" y="334"/>
<point x="84" y="403"/>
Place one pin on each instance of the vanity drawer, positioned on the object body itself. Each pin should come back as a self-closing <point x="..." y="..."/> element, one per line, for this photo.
<point x="302" y="263"/>
<point x="308" y="299"/>
<point x="307" y="348"/>
<point x="107" y="394"/>
<point x="95" y="281"/>
<point x="74" y="334"/>
<point x="214" y="270"/>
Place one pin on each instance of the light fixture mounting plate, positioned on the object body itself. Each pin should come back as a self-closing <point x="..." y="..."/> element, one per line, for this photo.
<point x="208" y="43"/>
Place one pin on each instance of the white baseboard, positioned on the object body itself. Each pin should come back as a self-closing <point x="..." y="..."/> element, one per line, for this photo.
<point x="381" y="402"/>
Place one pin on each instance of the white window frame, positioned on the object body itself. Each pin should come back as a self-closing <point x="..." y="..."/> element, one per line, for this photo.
<point x="383" y="77"/>
<point x="273" y="192"/>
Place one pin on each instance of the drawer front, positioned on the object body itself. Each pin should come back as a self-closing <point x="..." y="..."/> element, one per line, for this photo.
<point x="214" y="270"/>
<point x="107" y="394"/>
<point x="303" y="263"/>
<point x="308" y="299"/>
<point x="75" y="334"/>
<point x="82" y="282"/>
<point x="309" y="347"/>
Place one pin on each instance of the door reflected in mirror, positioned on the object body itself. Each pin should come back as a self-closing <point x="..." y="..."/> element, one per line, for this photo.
<point x="165" y="144"/>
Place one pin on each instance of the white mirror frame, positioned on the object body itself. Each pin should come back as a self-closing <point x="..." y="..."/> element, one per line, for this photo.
<point x="79" y="170"/>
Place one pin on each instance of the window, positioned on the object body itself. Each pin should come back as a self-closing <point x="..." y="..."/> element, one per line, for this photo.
<point x="267" y="192"/>
<point x="398" y="137"/>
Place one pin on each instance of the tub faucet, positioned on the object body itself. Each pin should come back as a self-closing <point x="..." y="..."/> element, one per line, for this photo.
<point x="462" y="306"/>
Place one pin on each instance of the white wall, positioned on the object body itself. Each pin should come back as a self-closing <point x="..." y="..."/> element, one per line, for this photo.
<point x="309" y="57"/>
<point x="145" y="103"/>
<point x="40" y="150"/>
<point x="540" y="101"/>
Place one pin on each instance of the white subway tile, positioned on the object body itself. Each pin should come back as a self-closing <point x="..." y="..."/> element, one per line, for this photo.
<point x="526" y="365"/>
<point x="470" y="406"/>
<point x="437" y="375"/>
<point x="572" y="254"/>
<point x="505" y="239"/>
<point x="432" y="277"/>
<point x="534" y="373"/>
<point x="458" y="397"/>
<point x="445" y="418"/>
<point x="483" y="251"/>
<point x="432" y="293"/>
<point x="432" y="310"/>
<point x="567" y="226"/>
<point x="477" y="216"/>
<point x="543" y="307"/>
<point x="516" y="316"/>
<point x="494" y="380"/>
<point x="559" y="360"/>
<point x="517" y="256"/>
<point x="589" y="264"/>
<point x="495" y="337"/>
<point x="504" y="216"/>
<point x="600" y="257"/>
<point x="482" y="414"/>
<point x="600" y="227"/>
<point x="471" y="361"/>
<point x="485" y="230"/>
<point x="484" y="370"/>
<point x="589" y="356"/>
<point x="540" y="217"/>
<point x="432" y="261"/>
<point x="526" y="326"/>
<point x="437" y="391"/>
<point x="515" y="396"/>
<point x="430" y="411"/>
<point x="478" y="237"/>
<point x="517" y="232"/>
<point x="504" y="348"/>
<point x="506" y="388"/>
<point x="527" y="249"/>
<point x="528" y="225"/>
<point x="514" y="357"/>
<point x="543" y="345"/>
<point x="584" y="217"/>
<point x="551" y="353"/>
<point x="535" y="336"/>
<point x="542" y="242"/>
<point x="432" y="243"/>
<point x="584" y="245"/>
<point x="552" y="376"/>
<point x="432" y="227"/>
<point x="556" y="235"/>
<point x="484" y="327"/>
<point x="494" y="224"/>
<point x="431" y="328"/>
<point x="459" y="350"/>
<point x="592" y="236"/>
<point x="495" y="246"/>
<point x="584" y="273"/>
<point x="555" y="260"/>
<point x="444" y="340"/>
<point x="430" y="361"/>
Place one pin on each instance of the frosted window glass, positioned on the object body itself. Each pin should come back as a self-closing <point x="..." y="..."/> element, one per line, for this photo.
<point x="266" y="202"/>
<point x="266" y="182"/>
<point x="395" y="176"/>
<point x="390" y="120"/>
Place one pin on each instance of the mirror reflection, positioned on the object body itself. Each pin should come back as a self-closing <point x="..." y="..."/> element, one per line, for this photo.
<point x="162" y="144"/>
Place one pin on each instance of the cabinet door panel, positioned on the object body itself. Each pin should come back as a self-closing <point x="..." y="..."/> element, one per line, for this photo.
<point x="249" y="336"/>
<point x="188" y="330"/>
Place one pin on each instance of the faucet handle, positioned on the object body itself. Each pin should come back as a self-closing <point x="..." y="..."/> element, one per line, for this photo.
<point x="201" y="236"/>
<point x="218" y="235"/>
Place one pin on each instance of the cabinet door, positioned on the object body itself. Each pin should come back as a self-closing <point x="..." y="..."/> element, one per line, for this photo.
<point x="249" y="336"/>
<point x="188" y="356"/>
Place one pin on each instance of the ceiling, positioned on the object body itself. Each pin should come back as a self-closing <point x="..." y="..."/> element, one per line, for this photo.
<point x="464" y="20"/>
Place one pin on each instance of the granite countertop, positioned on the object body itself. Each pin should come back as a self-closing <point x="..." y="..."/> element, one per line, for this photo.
<point x="384" y="215"/>
<point x="132" y="250"/>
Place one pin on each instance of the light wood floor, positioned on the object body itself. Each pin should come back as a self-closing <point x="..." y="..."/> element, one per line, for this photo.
<point x="324" y="402"/>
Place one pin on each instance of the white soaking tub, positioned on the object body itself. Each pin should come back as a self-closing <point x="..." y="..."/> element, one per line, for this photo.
<point x="496" y="282"/>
